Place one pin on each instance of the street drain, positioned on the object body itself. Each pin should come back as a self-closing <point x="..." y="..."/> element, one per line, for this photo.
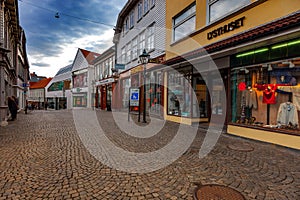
<point x="217" y="192"/>
<point x="241" y="147"/>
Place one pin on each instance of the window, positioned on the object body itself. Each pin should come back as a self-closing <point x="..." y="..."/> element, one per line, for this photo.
<point x="146" y="6"/>
<point x="57" y="86"/>
<point x="140" y="10"/>
<point x="126" y="25"/>
<point x="131" y="19"/>
<point x="128" y="53"/>
<point x="152" y="3"/>
<point x="142" y="44"/>
<point x="184" y="23"/>
<point x="219" y="8"/>
<point x="123" y="55"/>
<point x="134" y="48"/>
<point x="150" y="37"/>
<point x="179" y="98"/>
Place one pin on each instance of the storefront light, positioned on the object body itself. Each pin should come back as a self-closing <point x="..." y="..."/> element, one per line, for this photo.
<point x="252" y="52"/>
<point x="286" y="44"/>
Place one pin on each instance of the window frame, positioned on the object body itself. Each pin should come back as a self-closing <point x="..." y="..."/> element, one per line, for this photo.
<point x="184" y="20"/>
<point x="211" y="2"/>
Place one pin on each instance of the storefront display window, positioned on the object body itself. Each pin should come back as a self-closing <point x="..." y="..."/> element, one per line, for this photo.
<point x="80" y="101"/>
<point x="155" y="92"/>
<point x="200" y="90"/>
<point x="126" y="85"/>
<point x="267" y="95"/>
<point x="179" y="94"/>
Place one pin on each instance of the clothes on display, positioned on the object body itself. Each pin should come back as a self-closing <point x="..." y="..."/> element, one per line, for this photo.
<point x="287" y="114"/>
<point x="250" y="98"/>
<point x="295" y="90"/>
<point x="269" y="94"/>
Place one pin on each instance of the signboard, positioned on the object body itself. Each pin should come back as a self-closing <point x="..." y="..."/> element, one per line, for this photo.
<point x="119" y="66"/>
<point x="134" y="96"/>
<point x="105" y="81"/>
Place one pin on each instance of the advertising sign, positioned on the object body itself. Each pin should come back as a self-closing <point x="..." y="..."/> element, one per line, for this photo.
<point x="134" y="96"/>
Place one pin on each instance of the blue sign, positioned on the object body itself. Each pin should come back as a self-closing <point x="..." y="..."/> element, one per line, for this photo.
<point x="134" y="96"/>
<point x="119" y="66"/>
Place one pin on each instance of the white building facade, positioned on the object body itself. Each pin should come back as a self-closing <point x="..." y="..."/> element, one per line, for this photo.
<point x="82" y="79"/>
<point x="141" y="26"/>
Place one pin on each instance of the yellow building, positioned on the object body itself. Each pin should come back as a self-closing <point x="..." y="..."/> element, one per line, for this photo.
<point x="235" y="63"/>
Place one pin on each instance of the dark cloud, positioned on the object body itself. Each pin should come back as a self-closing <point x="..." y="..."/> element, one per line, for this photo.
<point x="47" y="36"/>
<point x="41" y="64"/>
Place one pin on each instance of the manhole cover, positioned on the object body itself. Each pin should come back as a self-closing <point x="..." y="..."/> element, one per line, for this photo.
<point x="240" y="147"/>
<point x="217" y="192"/>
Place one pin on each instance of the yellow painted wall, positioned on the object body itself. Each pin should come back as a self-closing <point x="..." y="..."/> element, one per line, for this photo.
<point x="286" y="140"/>
<point x="258" y="15"/>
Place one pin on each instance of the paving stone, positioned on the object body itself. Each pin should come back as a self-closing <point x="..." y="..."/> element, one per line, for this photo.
<point x="42" y="157"/>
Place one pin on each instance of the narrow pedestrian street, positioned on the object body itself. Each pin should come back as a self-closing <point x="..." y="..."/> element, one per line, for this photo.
<point x="42" y="157"/>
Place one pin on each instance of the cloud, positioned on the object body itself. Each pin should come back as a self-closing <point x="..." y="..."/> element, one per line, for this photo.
<point x="53" y="42"/>
<point x="41" y="64"/>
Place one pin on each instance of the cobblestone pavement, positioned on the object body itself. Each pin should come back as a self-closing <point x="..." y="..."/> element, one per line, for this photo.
<point x="42" y="157"/>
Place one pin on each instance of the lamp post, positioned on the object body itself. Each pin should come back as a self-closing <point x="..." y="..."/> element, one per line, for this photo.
<point x="144" y="58"/>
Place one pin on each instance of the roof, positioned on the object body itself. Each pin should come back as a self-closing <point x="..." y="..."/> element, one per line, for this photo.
<point x="65" y="69"/>
<point x="285" y="23"/>
<point x="89" y="55"/>
<point x="40" y="84"/>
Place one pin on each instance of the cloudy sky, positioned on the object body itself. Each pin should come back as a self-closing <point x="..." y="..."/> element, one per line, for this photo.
<point x="52" y="42"/>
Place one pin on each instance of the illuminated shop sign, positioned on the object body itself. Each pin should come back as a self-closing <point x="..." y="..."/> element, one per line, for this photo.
<point x="226" y="28"/>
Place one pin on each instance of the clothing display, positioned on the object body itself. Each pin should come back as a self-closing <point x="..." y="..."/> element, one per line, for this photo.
<point x="269" y="94"/>
<point x="287" y="114"/>
<point x="295" y="90"/>
<point x="250" y="98"/>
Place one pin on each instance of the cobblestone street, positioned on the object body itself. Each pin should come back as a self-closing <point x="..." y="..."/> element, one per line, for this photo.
<point x="42" y="157"/>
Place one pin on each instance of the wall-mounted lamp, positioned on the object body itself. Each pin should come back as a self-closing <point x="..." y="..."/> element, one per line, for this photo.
<point x="291" y="65"/>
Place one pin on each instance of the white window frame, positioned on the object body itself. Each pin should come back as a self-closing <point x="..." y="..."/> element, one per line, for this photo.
<point x="150" y="38"/>
<point x="134" y="44"/>
<point x="152" y="3"/>
<point x="190" y="13"/>
<point x="146" y="6"/>
<point x="228" y="11"/>
<point x="123" y="55"/>
<point x="131" y="19"/>
<point x="128" y="52"/>
<point x="140" y="10"/>
<point x="142" y="42"/>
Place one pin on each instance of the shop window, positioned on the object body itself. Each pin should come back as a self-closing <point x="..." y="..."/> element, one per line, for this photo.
<point x="221" y="8"/>
<point x="179" y="97"/>
<point x="200" y="90"/>
<point x="126" y="83"/>
<point x="57" y="86"/>
<point x="267" y="95"/>
<point x="155" y="92"/>
<point x="184" y="23"/>
<point x="80" y="101"/>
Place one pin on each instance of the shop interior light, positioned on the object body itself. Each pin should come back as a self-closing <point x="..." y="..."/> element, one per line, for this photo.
<point x="252" y="52"/>
<point x="244" y="69"/>
<point x="286" y="44"/>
